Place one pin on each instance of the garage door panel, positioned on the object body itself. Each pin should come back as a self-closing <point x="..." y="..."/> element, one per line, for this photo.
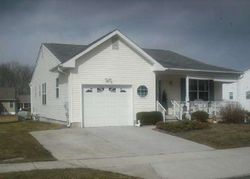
<point x="107" y="106"/>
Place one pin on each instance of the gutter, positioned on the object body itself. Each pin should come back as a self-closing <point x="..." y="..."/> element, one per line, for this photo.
<point x="60" y="70"/>
<point x="211" y="71"/>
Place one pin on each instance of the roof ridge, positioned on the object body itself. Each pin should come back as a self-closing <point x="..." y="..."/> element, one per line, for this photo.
<point x="62" y="43"/>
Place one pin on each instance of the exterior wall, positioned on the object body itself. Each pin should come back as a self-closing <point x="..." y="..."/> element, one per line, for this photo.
<point x="6" y="109"/>
<point x="55" y="107"/>
<point x="171" y="84"/>
<point x="217" y="91"/>
<point x="243" y="87"/>
<point x="123" y="66"/>
<point x="239" y="89"/>
<point x="230" y="87"/>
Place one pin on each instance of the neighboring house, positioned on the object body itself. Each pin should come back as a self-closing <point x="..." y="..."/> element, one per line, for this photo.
<point x="7" y="101"/>
<point x="23" y="102"/>
<point x="239" y="91"/>
<point x="106" y="82"/>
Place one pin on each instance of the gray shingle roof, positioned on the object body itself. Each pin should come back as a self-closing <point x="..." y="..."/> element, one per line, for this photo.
<point x="64" y="52"/>
<point x="166" y="58"/>
<point x="24" y="98"/>
<point x="7" y="93"/>
<point x="170" y="59"/>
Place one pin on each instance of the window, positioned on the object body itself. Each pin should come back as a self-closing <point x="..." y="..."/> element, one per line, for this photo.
<point x="39" y="90"/>
<point x="112" y="90"/>
<point x="231" y="95"/>
<point x="99" y="90"/>
<point x="248" y="95"/>
<point x="122" y="90"/>
<point x="198" y="90"/>
<point x="11" y="104"/>
<point x="115" y="44"/>
<point x="26" y="105"/>
<point x="57" y="88"/>
<point x="89" y="90"/>
<point x="142" y="91"/>
<point x="44" y="93"/>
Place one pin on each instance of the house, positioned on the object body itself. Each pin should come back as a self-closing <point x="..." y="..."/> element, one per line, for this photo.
<point x="106" y="82"/>
<point x="7" y="101"/>
<point x="239" y="91"/>
<point x="23" y="102"/>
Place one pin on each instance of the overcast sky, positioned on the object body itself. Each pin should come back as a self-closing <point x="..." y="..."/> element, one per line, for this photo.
<point x="212" y="31"/>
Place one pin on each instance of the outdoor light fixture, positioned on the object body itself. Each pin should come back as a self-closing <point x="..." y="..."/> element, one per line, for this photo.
<point x="108" y="80"/>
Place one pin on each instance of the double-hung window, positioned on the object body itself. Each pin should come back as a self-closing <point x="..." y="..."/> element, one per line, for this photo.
<point x="248" y="95"/>
<point x="198" y="90"/>
<point x="57" y="88"/>
<point x="231" y="95"/>
<point x="44" y="95"/>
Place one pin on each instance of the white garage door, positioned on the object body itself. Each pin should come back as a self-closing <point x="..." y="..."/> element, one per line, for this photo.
<point x="107" y="106"/>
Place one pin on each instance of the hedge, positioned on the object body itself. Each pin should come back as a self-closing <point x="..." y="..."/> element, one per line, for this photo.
<point x="201" y="116"/>
<point x="149" y="118"/>
<point x="182" y="126"/>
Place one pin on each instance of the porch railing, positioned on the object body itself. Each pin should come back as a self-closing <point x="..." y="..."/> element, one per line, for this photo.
<point x="213" y="108"/>
<point x="177" y="109"/>
<point x="161" y="109"/>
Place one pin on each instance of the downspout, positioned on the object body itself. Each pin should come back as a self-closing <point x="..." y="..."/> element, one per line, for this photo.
<point x="65" y="105"/>
<point x="68" y="123"/>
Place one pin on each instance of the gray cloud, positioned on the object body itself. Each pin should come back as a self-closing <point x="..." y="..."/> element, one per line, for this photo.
<point x="216" y="32"/>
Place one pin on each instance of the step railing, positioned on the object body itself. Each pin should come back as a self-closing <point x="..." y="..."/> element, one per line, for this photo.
<point x="161" y="109"/>
<point x="177" y="109"/>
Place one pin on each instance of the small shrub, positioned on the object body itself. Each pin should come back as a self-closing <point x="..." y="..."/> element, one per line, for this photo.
<point x="182" y="126"/>
<point x="232" y="113"/>
<point x="201" y="116"/>
<point x="149" y="118"/>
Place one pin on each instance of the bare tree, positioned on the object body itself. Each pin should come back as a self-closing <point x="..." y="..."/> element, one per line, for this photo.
<point x="14" y="74"/>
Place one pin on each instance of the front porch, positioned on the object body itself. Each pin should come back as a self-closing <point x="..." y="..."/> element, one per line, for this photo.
<point x="189" y="92"/>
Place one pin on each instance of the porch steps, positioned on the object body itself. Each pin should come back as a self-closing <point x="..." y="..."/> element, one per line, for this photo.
<point x="170" y="118"/>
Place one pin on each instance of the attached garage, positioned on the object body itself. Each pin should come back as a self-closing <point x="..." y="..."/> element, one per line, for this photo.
<point x="107" y="105"/>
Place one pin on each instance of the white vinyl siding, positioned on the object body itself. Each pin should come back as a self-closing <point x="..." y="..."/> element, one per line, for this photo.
<point x="120" y="67"/>
<point x="55" y="108"/>
<point x="240" y="89"/>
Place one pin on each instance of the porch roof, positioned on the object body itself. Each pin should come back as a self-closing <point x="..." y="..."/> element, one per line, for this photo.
<point x="172" y="60"/>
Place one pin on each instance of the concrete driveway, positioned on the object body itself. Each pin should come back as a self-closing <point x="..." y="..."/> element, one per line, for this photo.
<point x="113" y="142"/>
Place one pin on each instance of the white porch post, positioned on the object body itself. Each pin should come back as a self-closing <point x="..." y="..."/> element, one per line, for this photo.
<point x="187" y="93"/>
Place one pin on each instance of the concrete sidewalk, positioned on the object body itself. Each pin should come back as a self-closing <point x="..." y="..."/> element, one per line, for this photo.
<point x="204" y="164"/>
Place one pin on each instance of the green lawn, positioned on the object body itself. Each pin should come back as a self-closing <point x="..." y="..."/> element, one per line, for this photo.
<point x="65" y="174"/>
<point x="220" y="136"/>
<point x="17" y="145"/>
